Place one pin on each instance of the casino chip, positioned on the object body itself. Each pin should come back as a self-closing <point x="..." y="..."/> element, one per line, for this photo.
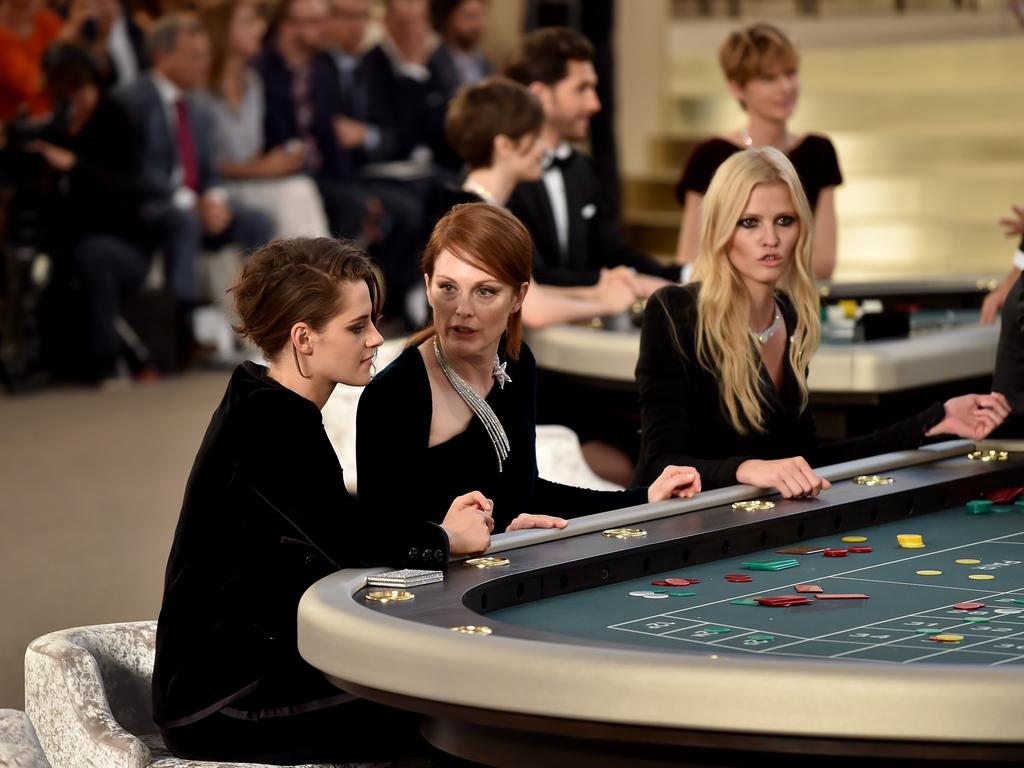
<point x="928" y="573"/>
<point x="981" y="577"/>
<point x="835" y="553"/>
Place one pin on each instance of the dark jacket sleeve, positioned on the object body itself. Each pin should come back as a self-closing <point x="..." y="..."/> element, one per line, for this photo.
<point x="316" y="510"/>
<point x="550" y="274"/>
<point x="903" y="435"/>
<point x="668" y="376"/>
<point x="392" y="461"/>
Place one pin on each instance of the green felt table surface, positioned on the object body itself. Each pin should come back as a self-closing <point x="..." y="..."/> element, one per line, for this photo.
<point x="890" y="626"/>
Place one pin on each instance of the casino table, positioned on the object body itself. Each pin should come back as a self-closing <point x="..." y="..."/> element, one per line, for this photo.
<point x="556" y="663"/>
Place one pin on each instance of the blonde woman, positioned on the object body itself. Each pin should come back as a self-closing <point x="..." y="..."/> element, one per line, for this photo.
<point x="760" y="65"/>
<point x="723" y="361"/>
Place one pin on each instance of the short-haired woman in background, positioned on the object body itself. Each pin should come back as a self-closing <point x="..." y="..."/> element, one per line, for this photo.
<point x="760" y="67"/>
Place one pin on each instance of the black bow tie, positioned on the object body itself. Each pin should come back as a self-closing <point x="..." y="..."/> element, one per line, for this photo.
<point x="552" y="160"/>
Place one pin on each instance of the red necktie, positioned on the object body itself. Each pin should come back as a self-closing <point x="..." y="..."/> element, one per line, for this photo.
<point x="186" y="149"/>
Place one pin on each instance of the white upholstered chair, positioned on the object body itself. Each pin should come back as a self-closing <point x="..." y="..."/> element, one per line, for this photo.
<point x="88" y="694"/>
<point x="19" y="747"/>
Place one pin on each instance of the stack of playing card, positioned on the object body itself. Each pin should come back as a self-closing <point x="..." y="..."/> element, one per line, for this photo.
<point x="407" y="577"/>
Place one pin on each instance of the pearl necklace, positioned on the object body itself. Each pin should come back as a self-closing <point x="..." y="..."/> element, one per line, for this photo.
<point x="763" y="336"/>
<point x="477" y="404"/>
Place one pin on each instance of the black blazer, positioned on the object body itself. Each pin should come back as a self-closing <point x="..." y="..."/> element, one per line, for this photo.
<point x="683" y="420"/>
<point x="595" y="239"/>
<point x="1009" y="373"/>
<point x="265" y="515"/>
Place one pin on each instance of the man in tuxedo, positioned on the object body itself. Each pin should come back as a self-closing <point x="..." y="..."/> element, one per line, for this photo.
<point x="566" y="211"/>
<point x="183" y="204"/>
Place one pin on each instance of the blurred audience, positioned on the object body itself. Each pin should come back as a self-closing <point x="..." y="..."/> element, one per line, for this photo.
<point x="367" y="125"/>
<point x="303" y="100"/>
<point x="184" y="204"/>
<point x="457" y="60"/>
<point x="27" y="27"/>
<point x="95" y="230"/>
<point x="398" y="75"/>
<point x="270" y="181"/>
<point x="115" y="41"/>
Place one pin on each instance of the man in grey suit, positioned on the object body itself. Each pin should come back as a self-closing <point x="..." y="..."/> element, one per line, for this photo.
<point x="183" y="205"/>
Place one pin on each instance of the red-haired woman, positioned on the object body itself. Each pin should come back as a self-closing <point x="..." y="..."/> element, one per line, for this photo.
<point x="457" y="409"/>
<point x="266" y="514"/>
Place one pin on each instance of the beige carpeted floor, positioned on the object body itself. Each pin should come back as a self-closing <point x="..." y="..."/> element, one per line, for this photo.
<point x="90" y="487"/>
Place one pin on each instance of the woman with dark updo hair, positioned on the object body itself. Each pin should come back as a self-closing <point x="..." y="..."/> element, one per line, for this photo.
<point x="266" y="514"/>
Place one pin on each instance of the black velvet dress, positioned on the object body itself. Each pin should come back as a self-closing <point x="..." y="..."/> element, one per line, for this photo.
<point x="1009" y="373"/>
<point x="814" y="160"/>
<point x="265" y="515"/>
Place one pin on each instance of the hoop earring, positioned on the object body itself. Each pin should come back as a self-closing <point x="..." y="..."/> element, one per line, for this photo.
<point x="295" y="353"/>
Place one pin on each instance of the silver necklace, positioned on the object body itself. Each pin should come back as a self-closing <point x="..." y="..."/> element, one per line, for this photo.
<point x="477" y="404"/>
<point x="763" y="336"/>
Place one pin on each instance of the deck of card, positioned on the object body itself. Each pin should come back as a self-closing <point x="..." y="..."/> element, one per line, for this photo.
<point x="407" y="577"/>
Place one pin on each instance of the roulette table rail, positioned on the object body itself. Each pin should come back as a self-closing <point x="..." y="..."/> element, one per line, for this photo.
<point x="592" y="673"/>
<point x="724" y="496"/>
